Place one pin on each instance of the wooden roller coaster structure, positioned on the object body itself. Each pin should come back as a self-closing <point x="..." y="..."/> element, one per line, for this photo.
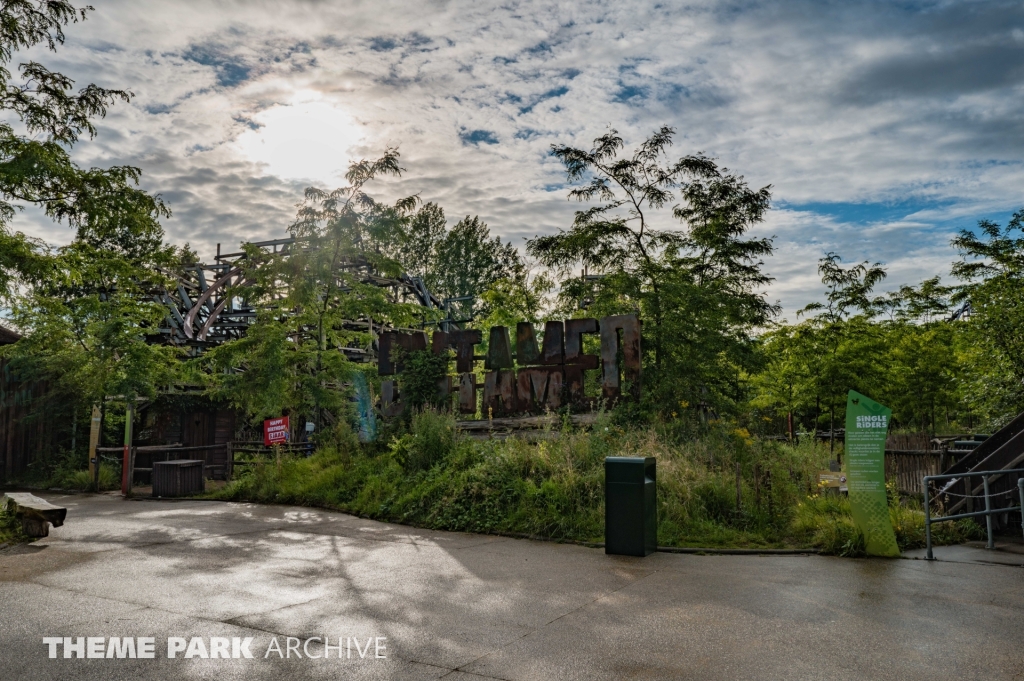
<point x="205" y="308"/>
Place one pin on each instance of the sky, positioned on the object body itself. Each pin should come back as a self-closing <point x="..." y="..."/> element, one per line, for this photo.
<point x="882" y="127"/>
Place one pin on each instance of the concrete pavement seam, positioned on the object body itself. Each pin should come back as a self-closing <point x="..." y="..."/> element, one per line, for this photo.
<point x="479" y="676"/>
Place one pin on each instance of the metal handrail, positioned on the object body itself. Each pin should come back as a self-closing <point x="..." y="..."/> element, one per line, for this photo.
<point x="988" y="512"/>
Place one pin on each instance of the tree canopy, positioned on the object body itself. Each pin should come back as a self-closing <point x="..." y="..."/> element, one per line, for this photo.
<point x="83" y="306"/>
<point x="698" y="286"/>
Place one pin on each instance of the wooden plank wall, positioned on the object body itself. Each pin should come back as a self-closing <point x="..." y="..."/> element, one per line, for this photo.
<point x="29" y="430"/>
<point x="907" y="468"/>
<point x="223" y="432"/>
<point x="190" y="427"/>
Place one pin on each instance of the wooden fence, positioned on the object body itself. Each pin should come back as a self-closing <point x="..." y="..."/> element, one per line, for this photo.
<point x="220" y="459"/>
<point x="254" y="451"/>
<point x="908" y="467"/>
<point x="32" y="425"/>
<point x="217" y="458"/>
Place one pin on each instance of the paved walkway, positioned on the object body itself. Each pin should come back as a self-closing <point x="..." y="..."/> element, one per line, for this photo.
<point x="461" y="607"/>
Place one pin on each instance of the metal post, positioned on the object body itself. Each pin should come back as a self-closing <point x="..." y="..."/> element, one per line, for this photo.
<point x="95" y="425"/>
<point x="988" y="512"/>
<point x="126" y="461"/>
<point x="739" y="501"/>
<point x="927" y="519"/>
<point x="1020" y="488"/>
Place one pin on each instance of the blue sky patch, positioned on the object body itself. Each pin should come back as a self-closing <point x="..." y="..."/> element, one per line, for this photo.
<point x="550" y="94"/>
<point x="630" y="94"/>
<point x="478" y="137"/>
<point x="383" y="44"/>
<point x="230" y="71"/>
<point x="881" y="213"/>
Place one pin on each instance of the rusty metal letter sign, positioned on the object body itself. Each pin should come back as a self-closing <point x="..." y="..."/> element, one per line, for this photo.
<point x="549" y="376"/>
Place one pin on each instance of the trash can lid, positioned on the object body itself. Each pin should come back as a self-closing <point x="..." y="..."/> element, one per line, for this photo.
<point x="632" y="469"/>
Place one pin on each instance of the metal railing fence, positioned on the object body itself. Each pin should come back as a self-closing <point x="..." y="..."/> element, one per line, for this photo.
<point x="987" y="513"/>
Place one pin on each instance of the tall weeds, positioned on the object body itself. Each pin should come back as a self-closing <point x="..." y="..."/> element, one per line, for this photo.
<point x="433" y="476"/>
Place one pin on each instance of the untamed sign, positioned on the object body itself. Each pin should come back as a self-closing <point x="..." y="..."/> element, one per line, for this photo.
<point x="550" y="373"/>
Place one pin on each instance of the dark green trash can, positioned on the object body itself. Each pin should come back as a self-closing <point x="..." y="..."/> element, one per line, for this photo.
<point x="630" y="506"/>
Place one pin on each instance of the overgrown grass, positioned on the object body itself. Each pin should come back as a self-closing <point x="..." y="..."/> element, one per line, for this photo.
<point x="825" y="522"/>
<point x="82" y="480"/>
<point x="433" y="476"/>
<point x="68" y="470"/>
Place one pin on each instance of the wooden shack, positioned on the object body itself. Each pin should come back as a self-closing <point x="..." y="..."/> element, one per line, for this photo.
<point x="30" y="425"/>
<point x="192" y="422"/>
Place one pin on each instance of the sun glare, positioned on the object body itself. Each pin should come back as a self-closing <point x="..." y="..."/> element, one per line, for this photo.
<point x="305" y="140"/>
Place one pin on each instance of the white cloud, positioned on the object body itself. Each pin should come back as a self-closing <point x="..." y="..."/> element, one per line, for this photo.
<point x="858" y="102"/>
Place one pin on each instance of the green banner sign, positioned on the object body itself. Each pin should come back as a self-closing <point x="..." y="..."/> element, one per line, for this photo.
<point x="867" y="424"/>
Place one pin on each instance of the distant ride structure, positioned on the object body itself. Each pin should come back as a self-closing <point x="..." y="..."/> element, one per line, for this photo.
<point x="206" y="305"/>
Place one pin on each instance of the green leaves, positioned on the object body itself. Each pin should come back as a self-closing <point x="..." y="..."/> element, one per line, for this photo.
<point x="86" y="329"/>
<point x="992" y="267"/>
<point x="86" y="308"/>
<point x="628" y="187"/>
<point x="270" y="372"/>
<point x="995" y="252"/>
<point x="24" y="23"/>
<point x="316" y="299"/>
<point x="468" y="261"/>
<point x="43" y="101"/>
<point x="849" y="289"/>
<point x="104" y="206"/>
<point x="426" y="230"/>
<point x="697" y="286"/>
<point x="45" y="105"/>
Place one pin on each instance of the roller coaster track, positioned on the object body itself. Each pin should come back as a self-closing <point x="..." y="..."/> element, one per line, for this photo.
<point x="202" y="314"/>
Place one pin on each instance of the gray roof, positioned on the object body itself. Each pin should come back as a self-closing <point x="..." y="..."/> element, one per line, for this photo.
<point x="7" y="336"/>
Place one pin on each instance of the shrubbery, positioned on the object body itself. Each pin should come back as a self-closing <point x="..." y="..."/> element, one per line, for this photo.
<point x="433" y="476"/>
<point x="109" y="478"/>
<point x="10" y="528"/>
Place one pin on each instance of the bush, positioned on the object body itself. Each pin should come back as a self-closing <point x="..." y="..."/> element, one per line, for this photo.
<point x="826" y="522"/>
<point x="10" y="528"/>
<point x="433" y="436"/>
<point x="421" y="372"/>
<point x="109" y="478"/>
<point x="432" y="476"/>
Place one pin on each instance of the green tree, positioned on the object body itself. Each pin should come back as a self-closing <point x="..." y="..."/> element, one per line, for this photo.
<point x="844" y="349"/>
<point x="87" y="325"/>
<point x="104" y="206"/>
<point x="783" y="385"/>
<point x="468" y="261"/>
<point x="697" y="287"/>
<point x="524" y="298"/>
<point x="427" y="229"/>
<point x="921" y="370"/>
<point x="848" y="290"/>
<point x="462" y="262"/>
<point x="992" y="269"/>
<point x="315" y="300"/>
<point x="85" y="308"/>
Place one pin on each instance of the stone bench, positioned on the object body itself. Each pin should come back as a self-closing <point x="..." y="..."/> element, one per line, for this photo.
<point x="35" y="514"/>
